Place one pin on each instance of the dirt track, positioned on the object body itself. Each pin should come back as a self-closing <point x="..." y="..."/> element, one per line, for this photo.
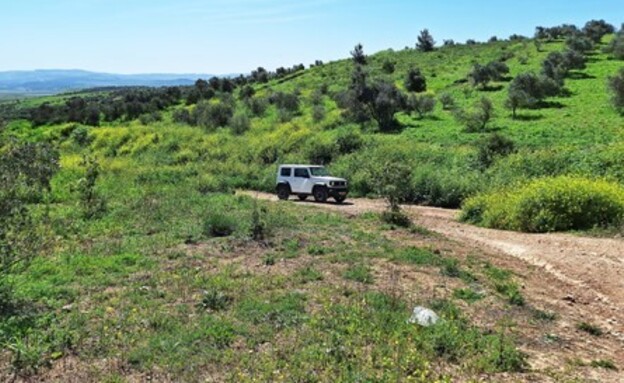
<point x="579" y="277"/>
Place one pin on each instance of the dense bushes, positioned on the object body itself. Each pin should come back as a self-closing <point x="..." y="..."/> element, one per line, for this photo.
<point x="549" y="204"/>
<point x="616" y="86"/>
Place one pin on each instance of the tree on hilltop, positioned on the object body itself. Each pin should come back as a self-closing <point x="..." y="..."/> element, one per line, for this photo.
<point x="425" y="43"/>
<point x="359" y="58"/>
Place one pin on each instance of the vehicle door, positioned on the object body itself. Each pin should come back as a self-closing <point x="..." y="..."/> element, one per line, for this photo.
<point x="301" y="181"/>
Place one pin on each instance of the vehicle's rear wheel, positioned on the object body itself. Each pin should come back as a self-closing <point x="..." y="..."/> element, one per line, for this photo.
<point x="302" y="197"/>
<point x="340" y="199"/>
<point x="283" y="192"/>
<point x="320" y="194"/>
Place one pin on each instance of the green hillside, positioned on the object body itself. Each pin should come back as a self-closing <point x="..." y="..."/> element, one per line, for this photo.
<point x="579" y="133"/>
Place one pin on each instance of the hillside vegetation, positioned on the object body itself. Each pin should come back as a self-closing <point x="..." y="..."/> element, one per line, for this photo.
<point x="125" y="255"/>
<point x="304" y="116"/>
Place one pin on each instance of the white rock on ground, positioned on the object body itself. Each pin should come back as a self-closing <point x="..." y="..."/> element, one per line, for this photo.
<point x="423" y="316"/>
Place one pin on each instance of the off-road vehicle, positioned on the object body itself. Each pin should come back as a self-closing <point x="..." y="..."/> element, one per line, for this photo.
<point x="309" y="180"/>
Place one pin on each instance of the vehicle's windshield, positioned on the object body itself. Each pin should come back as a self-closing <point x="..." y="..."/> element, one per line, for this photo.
<point x="319" y="172"/>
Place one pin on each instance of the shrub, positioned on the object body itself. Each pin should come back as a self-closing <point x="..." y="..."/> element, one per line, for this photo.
<point x="349" y="141"/>
<point x="150" y="118"/>
<point x="396" y="217"/>
<point x="422" y="104"/>
<point x="182" y="116"/>
<point x="616" y="46"/>
<point x="549" y="204"/>
<point x="596" y="29"/>
<point x="388" y="66"/>
<point x="493" y="71"/>
<point x="477" y="119"/>
<point x="321" y="152"/>
<point x="240" y="123"/>
<point x="616" y="86"/>
<point x="257" y="105"/>
<point x="80" y="135"/>
<point x="528" y="90"/>
<point x="493" y="147"/>
<point x="25" y="174"/>
<point x="219" y="224"/>
<point x="318" y="113"/>
<point x="579" y="44"/>
<point x="212" y="115"/>
<point x="92" y="203"/>
<point x="448" y="101"/>
<point x="415" y="81"/>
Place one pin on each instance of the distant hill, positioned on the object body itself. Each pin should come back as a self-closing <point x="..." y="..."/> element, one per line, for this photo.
<point x="55" y="81"/>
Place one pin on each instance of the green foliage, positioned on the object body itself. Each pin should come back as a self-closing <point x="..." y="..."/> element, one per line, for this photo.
<point x="468" y="295"/>
<point x="388" y="66"/>
<point x="211" y="115"/>
<point x="425" y="41"/>
<point x="214" y="300"/>
<point x="604" y="363"/>
<point x="528" y="90"/>
<point x="93" y="204"/>
<point x="415" y="81"/>
<point x="321" y="152"/>
<point x="597" y="29"/>
<point x="549" y="204"/>
<point x="240" y="123"/>
<point x="589" y="328"/>
<point x="476" y="119"/>
<point x="396" y="216"/>
<point x="448" y="101"/>
<point x="422" y="104"/>
<point x="220" y="224"/>
<point x="580" y="44"/>
<point x="616" y="46"/>
<point x="25" y="174"/>
<point x="359" y="273"/>
<point x="483" y="74"/>
<point x="492" y="148"/>
<point x="309" y="274"/>
<point x="80" y="135"/>
<point x="616" y="86"/>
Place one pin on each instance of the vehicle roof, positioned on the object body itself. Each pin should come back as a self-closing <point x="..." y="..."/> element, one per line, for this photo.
<point x="300" y="166"/>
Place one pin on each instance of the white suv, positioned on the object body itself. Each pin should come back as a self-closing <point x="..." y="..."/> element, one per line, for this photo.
<point x="306" y="180"/>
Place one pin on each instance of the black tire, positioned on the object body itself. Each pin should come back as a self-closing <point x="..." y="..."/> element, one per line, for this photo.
<point x="340" y="199"/>
<point x="283" y="192"/>
<point x="302" y="197"/>
<point x="320" y="194"/>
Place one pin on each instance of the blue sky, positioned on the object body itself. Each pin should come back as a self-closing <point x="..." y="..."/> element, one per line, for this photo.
<point x="221" y="36"/>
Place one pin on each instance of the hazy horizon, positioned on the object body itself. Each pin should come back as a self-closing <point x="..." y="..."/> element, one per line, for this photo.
<point x="224" y="37"/>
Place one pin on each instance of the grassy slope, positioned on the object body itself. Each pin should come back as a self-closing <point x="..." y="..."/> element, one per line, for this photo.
<point x="135" y="278"/>
<point x="580" y="133"/>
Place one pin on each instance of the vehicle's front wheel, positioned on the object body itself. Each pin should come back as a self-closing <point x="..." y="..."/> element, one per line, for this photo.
<point x="302" y="197"/>
<point x="283" y="192"/>
<point x="340" y="199"/>
<point x="320" y="194"/>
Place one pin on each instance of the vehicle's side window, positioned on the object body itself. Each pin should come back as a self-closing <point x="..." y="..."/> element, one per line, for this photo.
<point x="302" y="173"/>
<point x="285" y="172"/>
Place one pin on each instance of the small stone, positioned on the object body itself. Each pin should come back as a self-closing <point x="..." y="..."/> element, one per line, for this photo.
<point x="68" y="307"/>
<point x="423" y="316"/>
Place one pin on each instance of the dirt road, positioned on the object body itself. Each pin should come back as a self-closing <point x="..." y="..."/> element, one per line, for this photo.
<point x="580" y="277"/>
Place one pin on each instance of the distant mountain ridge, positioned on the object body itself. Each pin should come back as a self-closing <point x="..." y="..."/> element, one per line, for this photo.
<point x="56" y="81"/>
